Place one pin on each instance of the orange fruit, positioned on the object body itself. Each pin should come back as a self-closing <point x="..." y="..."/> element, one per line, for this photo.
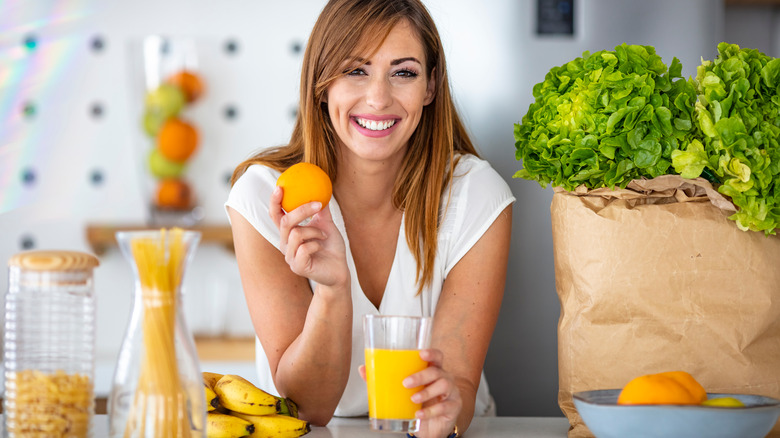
<point x="672" y="387"/>
<point x="303" y="183"/>
<point x="687" y="380"/>
<point x="173" y="194"/>
<point x="190" y="84"/>
<point x="177" y="140"/>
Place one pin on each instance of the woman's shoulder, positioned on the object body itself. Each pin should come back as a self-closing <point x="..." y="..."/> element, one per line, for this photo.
<point x="250" y="197"/>
<point x="258" y="172"/>
<point x="253" y="188"/>
<point x="467" y="162"/>
<point x="256" y="178"/>
<point x="476" y="185"/>
<point x="477" y="196"/>
<point x="471" y="170"/>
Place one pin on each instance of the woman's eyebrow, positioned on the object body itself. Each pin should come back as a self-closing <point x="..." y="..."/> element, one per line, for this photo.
<point x="402" y="60"/>
<point x="393" y="62"/>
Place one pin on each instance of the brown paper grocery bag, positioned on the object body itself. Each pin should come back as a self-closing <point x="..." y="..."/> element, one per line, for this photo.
<point x="657" y="278"/>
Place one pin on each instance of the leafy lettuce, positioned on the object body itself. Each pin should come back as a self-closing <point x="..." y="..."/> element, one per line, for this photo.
<point x="738" y="114"/>
<point x="606" y="118"/>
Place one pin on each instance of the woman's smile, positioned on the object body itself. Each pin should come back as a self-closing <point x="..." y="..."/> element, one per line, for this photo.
<point x="375" y="126"/>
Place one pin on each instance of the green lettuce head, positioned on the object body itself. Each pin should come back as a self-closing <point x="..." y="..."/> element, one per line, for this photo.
<point x="738" y="113"/>
<point x="606" y="118"/>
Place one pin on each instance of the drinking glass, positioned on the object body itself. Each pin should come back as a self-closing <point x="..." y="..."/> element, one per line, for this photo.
<point x="392" y="349"/>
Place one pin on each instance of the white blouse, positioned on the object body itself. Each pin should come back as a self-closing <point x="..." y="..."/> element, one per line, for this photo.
<point x="478" y="196"/>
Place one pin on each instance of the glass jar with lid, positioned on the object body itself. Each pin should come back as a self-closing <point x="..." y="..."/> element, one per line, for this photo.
<point x="49" y="345"/>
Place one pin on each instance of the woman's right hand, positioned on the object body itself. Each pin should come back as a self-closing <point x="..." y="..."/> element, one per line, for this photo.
<point x="316" y="250"/>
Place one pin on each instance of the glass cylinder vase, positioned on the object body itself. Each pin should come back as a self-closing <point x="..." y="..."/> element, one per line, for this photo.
<point x="168" y="88"/>
<point x="157" y="389"/>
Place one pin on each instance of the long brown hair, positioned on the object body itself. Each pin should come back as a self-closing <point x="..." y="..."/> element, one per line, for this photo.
<point x="345" y="29"/>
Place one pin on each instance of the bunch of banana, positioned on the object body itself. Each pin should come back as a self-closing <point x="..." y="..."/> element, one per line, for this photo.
<point x="240" y="409"/>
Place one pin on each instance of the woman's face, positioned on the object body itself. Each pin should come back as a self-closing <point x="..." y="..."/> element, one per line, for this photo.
<point x="376" y="107"/>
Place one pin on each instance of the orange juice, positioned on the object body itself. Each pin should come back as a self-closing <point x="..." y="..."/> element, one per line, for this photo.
<point x="385" y="372"/>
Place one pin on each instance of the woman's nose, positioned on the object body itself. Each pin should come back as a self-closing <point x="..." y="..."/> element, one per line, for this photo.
<point x="379" y="95"/>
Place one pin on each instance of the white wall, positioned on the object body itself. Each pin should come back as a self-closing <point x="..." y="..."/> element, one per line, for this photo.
<point x="494" y="58"/>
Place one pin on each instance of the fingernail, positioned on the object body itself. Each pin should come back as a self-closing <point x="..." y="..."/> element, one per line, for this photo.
<point x="416" y="398"/>
<point x="419" y="414"/>
<point x="407" y="383"/>
<point x="317" y="206"/>
<point x="277" y="190"/>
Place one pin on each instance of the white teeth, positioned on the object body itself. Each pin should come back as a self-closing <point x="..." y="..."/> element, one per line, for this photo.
<point x="374" y="125"/>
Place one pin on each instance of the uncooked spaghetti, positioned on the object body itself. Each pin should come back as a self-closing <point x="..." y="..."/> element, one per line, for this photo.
<point x="160" y="405"/>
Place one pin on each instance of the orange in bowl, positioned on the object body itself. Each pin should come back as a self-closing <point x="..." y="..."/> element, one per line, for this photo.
<point x="671" y="387"/>
<point x="303" y="183"/>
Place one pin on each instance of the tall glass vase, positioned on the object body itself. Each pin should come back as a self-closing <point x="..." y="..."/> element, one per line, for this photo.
<point x="157" y="388"/>
<point x="169" y="88"/>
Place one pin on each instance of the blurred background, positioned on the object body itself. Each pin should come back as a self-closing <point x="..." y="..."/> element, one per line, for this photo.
<point x="73" y="152"/>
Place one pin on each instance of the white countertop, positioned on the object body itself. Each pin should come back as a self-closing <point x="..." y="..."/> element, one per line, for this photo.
<point x="481" y="427"/>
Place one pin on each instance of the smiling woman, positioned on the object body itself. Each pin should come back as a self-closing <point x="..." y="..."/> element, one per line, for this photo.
<point x="418" y="224"/>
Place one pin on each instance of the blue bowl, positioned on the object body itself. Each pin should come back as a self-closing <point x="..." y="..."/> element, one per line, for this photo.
<point x="606" y="419"/>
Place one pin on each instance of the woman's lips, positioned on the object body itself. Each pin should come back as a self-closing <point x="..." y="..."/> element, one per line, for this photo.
<point x="374" y="126"/>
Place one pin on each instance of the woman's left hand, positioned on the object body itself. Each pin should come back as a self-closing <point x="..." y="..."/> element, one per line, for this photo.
<point x="440" y="397"/>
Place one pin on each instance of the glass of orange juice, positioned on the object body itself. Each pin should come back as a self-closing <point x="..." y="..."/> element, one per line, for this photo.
<point x="392" y="347"/>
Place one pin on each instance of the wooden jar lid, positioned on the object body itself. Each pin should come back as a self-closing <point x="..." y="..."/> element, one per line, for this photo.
<point x="54" y="261"/>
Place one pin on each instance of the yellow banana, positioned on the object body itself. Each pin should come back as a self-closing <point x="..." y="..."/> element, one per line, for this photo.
<point x="276" y="425"/>
<point x="227" y="426"/>
<point x="240" y="395"/>
<point x="212" y="400"/>
<point x="209" y="380"/>
<point x="288" y="407"/>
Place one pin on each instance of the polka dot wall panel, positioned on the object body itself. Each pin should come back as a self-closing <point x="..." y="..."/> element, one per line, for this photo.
<point x="75" y="150"/>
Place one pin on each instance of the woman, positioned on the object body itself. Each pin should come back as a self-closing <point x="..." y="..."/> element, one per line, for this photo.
<point x="418" y="224"/>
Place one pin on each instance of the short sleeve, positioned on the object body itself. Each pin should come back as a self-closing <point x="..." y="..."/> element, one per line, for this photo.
<point x="250" y="195"/>
<point x="479" y="194"/>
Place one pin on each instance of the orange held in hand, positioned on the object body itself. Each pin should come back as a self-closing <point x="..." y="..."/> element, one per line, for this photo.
<point x="672" y="387"/>
<point x="304" y="183"/>
<point x="177" y="140"/>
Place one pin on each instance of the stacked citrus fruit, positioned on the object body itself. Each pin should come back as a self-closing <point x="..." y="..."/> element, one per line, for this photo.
<point x="670" y="388"/>
<point x="175" y="139"/>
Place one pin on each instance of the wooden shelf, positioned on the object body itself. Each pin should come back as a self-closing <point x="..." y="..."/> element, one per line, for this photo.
<point x="225" y="348"/>
<point x="102" y="237"/>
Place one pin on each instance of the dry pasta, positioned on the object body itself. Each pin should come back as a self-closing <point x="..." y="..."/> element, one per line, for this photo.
<point x="160" y="406"/>
<point x="49" y="405"/>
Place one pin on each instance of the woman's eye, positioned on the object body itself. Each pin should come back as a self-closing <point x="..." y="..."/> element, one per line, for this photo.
<point x="355" y="72"/>
<point x="406" y="73"/>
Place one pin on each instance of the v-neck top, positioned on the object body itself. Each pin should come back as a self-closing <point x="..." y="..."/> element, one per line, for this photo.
<point x="478" y="195"/>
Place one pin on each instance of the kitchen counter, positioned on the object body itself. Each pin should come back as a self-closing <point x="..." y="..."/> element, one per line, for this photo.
<point x="481" y="427"/>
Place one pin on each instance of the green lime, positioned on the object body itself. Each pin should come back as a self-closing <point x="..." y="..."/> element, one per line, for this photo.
<point x="724" y="402"/>
<point x="162" y="168"/>
<point x="165" y="101"/>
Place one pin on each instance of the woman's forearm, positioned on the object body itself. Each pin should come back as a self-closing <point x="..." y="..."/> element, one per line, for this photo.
<point x="468" y="395"/>
<point x="314" y="369"/>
